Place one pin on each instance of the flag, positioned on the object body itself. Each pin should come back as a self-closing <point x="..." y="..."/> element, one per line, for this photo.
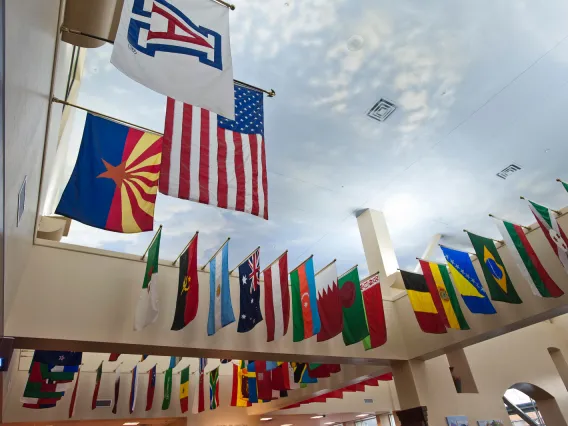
<point x="498" y="281"/>
<point x="147" y="308"/>
<point x="467" y="282"/>
<point x="250" y="373"/>
<point x="304" y="301"/>
<point x="556" y="237"/>
<point x="564" y="184"/>
<point x="167" y="389"/>
<point x="180" y="50"/>
<point x="442" y="290"/>
<point x="188" y="287"/>
<point x="301" y="374"/>
<point x="151" y="388"/>
<point x="320" y="371"/>
<point x="528" y="262"/>
<point x="214" y="389"/>
<point x="225" y="361"/>
<point x="220" y="306"/>
<point x="202" y="364"/>
<point x="422" y="303"/>
<point x="263" y="379"/>
<point x="184" y="390"/>
<point x="115" y="180"/>
<point x="354" y="320"/>
<point x="53" y="358"/>
<point x="283" y="377"/>
<point x="116" y="389"/>
<point x="276" y="298"/>
<point x="374" y="312"/>
<point x="329" y="303"/>
<point x="133" y="390"/>
<point x="113" y="357"/>
<point x="74" y="396"/>
<point x="42" y="372"/>
<point x="237" y="399"/>
<point x="212" y="160"/>
<point x="97" y="386"/>
<point x="199" y="395"/>
<point x="249" y="283"/>
<point x="174" y="360"/>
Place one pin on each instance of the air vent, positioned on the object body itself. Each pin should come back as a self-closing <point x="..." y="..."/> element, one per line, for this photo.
<point x="508" y="171"/>
<point x="381" y="110"/>
<point x="368" y="401"/>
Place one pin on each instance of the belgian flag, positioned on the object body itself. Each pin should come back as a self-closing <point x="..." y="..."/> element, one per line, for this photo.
<point x="427" y="315"/>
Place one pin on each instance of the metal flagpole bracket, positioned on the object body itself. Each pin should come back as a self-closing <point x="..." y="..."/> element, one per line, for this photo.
<point x="185" y="248"/>
<point x="151" y="242"/>
<point x="552" y="210"/>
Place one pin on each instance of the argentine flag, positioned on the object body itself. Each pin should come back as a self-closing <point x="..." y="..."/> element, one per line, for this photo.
<point x="220" y="306"/>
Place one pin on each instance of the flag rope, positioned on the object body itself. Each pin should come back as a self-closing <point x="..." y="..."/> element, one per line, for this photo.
<point x="151" y="242"/>
<point x="215" y="254"/>
<point x="275" y="260"/>
<point x="552" y="210"/>
<point x="244" y="260"/>
<point x="270" y="93"/>
<point x="185" y="248"/>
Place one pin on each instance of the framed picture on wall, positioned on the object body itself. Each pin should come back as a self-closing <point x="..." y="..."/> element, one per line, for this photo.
<point x="489" y="423"/>
<point x="457" y="421"/>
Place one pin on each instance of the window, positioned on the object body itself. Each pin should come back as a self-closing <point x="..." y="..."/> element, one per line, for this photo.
<point x="367" y="422"/>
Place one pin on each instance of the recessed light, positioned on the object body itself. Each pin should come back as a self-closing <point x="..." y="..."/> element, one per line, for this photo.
<point x="362" y="415"/>
<point x="130" y="423"/>
<point x="265" y="419"/>
<point x="317" y="417"/>
<point x="329" y="423"/>
<point x="287" y="424"/>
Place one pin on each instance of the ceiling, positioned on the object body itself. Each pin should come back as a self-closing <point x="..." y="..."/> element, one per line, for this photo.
<point x="478" y="85"/>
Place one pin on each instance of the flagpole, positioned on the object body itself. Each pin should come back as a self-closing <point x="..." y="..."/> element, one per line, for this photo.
<point x="217" y="252"/>
<point x="151" y="242"/>
<point x="108" y="117"/>
<point x="270" y="93"/>
<point x="244" y="260"/>
<point x="326" y="266"/>
<point x="185" y="248"/>
<point x="224" y="3"/>
<point x="349" y="270"/>
<point x="301" y="263"/>
<point x="528" y="228"/>
<point x="555" y="211"/>
<point x="276" y="260"/>
<point x="493" y="239"/>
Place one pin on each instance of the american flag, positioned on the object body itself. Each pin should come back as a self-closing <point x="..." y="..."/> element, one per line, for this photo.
<point x="212" y="160"/>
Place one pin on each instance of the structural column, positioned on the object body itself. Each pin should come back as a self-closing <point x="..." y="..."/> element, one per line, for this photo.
<point x="408" y="383"/>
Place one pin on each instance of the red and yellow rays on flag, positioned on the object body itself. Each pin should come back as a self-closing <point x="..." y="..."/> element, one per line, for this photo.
<point x="136" y="179"/>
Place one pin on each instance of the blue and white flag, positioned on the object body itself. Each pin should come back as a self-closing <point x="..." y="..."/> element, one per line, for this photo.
<point x="220" y="305"/>
<point x="182" y="51"/>
<point x="249" y="283"/>
<point x="133" y="390"/>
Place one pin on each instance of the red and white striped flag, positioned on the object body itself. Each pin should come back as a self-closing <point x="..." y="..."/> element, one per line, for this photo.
<point x="212" y="160"/>
<point x="276" y="298"/>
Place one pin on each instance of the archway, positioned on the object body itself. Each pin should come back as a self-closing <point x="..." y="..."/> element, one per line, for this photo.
<point x="530" y="404"/>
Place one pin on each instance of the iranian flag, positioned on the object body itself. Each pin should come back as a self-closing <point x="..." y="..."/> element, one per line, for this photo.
<point x="541" y="283"/>
<point x="552" y="231"/>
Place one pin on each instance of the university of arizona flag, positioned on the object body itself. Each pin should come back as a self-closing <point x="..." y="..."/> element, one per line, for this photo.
<point x="540" y="281"/>
<point x="116" y="389"/>
<point x="133" y="390"/>
<point x="184" y="390"/>
<point x="374" y="312"/>
<point x="498" y="281"/>
<point x="179" y="48"/>
<point x="188" y="287"/>
<point x="214" y="389"/>
<point x="115" y="180"/>
<point x="329" y="303"/>
<point x="97" y="386"/>
<point x="556" y="237"/>
<point x="220" y="305"/>
<point x="276" y="298"/>
<point x="249" y="283"/>
<point x="151" y="388"/>
<point x="304" y="301"/>
<point x="211" y="160"/>
<point x="147" y="307"/>
<point x="467" y="282"/>
<point x="354" y="320"/>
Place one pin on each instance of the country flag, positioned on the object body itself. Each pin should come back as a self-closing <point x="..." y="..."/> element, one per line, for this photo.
<point x="329" y="303"/>
<point x="214" y="389"/>
<point x="147" y="307"/>
<point x="374" y="312"/>
<point x="133" y="390"/>
<point x="249" y="284"/>
<point x="220" y="305"/>
<point x="151" y="388"/>
<point x="97" y="386"/>
<point x="74" y="396"/>
<point x="276" y="298"/>
<point x="528" y="262"/>
<point x="184" y="390"/>
<point x="187" y="300"/>
<point x="306" y="319"/>
<point x="167" y="389"/>
<point x="354" y="320"/>
<point x="116" y="389"/>
<point x="556" y="237"/>
<point x="199" y="395"/>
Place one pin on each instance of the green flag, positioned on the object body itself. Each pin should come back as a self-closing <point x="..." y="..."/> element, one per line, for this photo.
<point x="500" y="286"/>
<point x="167" y="389"/>
<point x="147" y="308"/>
<point x="354" y="320"/>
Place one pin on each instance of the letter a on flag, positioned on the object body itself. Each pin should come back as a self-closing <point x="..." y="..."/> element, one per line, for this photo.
<point x="179" y="48"/>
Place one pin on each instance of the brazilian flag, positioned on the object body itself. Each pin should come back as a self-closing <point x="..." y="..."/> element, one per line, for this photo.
<point x="500" y="285"/>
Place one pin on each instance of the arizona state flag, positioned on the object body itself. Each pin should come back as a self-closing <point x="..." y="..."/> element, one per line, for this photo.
<point x="188" y="287"/>
<point x="115" y="180"/>
<point x="427" y="315"/>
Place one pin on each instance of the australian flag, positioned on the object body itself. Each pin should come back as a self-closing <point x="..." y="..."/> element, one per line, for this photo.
<point x="249" y="280"/>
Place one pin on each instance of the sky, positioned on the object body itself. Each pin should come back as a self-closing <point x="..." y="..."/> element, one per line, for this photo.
<point x="477" y="85"/>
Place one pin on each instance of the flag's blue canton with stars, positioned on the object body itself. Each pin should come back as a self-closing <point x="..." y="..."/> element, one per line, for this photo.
<point x="467" y="282"/>
<point x="58" y="357"/>
<point x="249" y="280"/>
<point x="249" y="113"/>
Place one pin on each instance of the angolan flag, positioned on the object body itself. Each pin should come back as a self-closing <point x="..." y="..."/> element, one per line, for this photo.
<point x="541" y="283"/>
<point x="552" y="231"/>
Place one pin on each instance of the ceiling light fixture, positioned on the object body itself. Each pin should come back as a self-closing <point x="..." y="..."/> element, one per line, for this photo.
<point x="287" y="424"/>
<point x="265" y="419"/>
<point x="319" y="416"/>
<point x="130" y="423"/>
<point x="362" y="415"/>
<point x="329" y="423"/>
